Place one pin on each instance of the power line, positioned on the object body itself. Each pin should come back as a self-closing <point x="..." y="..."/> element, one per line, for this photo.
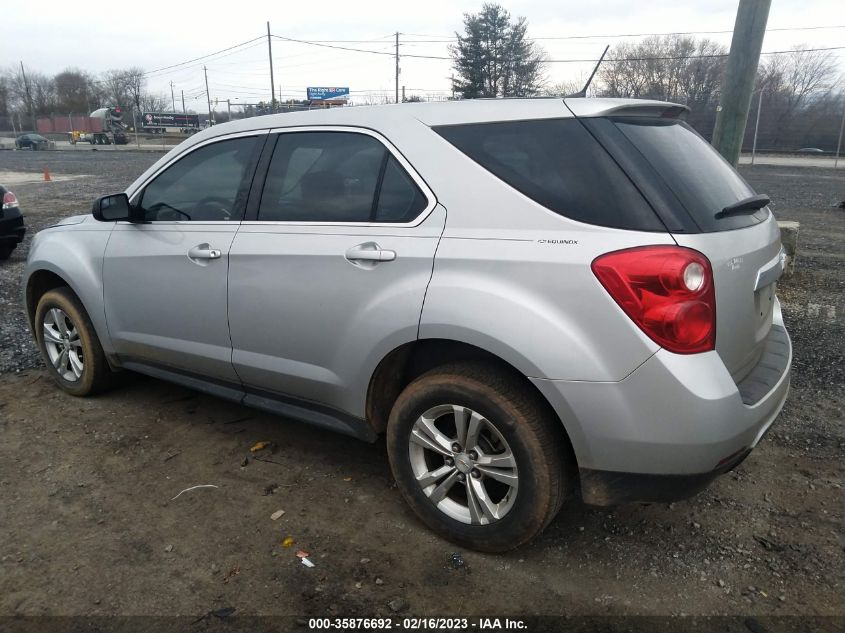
<point x="447" y="38"/>
<point x="555" y="61"/>
<point x="190" y="61"/>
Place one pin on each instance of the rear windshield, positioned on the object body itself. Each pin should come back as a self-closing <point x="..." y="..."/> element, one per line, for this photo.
<point x="558" y="164"/>
<point x="703" y="182"/>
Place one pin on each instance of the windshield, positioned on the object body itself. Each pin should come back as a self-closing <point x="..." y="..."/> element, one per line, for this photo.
<point x="699" y="177"/>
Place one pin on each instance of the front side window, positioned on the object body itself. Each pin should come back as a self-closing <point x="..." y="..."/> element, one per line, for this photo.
<point x="337" y="177"/>
<point x="206" y="185"/>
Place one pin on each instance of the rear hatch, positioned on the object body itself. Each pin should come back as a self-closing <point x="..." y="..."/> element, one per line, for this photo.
<point x="690" y="187"/>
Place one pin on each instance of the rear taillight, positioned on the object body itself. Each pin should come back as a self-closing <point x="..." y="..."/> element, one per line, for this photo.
<point x="9" y="200"/>
<point x="667" y="291"/>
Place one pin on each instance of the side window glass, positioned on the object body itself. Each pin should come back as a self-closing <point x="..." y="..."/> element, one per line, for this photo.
<point x="203" y="186"/>
<point x="322" y="177"/>
<point x="400" y="200"/>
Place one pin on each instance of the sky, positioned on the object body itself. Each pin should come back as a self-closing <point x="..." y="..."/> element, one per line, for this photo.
<point x="156" y="35"/>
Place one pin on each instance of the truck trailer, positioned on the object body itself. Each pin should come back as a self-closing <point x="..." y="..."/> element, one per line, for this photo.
<point x="160" y="122"/>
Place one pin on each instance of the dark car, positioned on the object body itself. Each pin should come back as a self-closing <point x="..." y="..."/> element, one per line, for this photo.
<point x="31" y="141"/>
<point x="11" y="223"/>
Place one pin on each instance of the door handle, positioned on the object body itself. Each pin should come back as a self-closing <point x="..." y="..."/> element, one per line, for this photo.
<point x="370" y="252"/>
<point x="204" y="251"/>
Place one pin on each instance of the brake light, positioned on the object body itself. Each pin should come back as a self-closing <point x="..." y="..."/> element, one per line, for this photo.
<point x="667" y="291"/>
<point x="9" y="200"/>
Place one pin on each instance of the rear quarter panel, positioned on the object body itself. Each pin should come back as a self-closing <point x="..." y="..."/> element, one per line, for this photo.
<point x="532" y="299"/>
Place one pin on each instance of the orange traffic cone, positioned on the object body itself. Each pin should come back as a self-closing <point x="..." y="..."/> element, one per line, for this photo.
<point x="47" y="175"/>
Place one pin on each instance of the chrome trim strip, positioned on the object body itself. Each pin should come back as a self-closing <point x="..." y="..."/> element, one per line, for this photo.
<point x="771" y="271"/>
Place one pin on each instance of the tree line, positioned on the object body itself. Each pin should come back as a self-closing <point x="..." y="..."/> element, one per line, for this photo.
<point x="30" y="94"/>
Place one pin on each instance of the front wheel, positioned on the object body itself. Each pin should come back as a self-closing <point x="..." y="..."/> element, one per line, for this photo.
<point x="478" y="456"/>
<point x="69" y="345"/>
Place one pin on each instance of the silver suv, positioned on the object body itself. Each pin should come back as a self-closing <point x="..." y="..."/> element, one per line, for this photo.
<point x="532" y="299"/>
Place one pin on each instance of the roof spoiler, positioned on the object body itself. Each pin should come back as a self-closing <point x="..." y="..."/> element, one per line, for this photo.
<point x="630" y="108"/>
<point x="673" y="111"/>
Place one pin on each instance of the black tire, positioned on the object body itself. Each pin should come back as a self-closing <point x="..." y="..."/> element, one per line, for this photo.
<point x="6" y="251"/>
<point x="530" y="429"/>
<point x="96" y="375"/>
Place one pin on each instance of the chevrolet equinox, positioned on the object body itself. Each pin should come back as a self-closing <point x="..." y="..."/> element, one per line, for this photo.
<point x="532" y="299"/>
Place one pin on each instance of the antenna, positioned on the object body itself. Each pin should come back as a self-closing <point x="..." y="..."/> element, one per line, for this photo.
<point x="583" y="92"/>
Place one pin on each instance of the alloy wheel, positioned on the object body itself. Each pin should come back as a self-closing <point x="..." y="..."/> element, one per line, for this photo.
<point x="63" y="345"/>
<point x="463" y="464"/>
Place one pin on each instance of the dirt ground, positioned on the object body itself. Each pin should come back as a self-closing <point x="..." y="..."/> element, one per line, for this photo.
<point x="90" y="523"/>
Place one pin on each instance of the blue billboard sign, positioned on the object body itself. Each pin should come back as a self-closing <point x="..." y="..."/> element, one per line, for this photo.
<point x="327" y="94"/>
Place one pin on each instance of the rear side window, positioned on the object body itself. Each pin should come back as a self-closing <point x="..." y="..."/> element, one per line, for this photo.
<point x="399" y="200"/>
<point x="700" y="178"/>
<point x="337" y="177"/>
<point x="558" y="164"/>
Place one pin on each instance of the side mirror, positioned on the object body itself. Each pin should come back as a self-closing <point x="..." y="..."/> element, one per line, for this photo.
<point x="111" y="208"/>
<point x="114" y="208"/>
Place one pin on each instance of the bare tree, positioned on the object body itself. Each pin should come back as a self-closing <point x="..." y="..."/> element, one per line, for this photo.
<point x="136" y="81"/>
<point x="43" y="92"/>
<point x="115" y="89"/>
<point x="5" y="94"/>
<point x="671" y="68"/>
<point x="76" y="91"/>
<point x="567" y="87"/>
<point x="158" y="102"/>
<point x="796" y="89"/>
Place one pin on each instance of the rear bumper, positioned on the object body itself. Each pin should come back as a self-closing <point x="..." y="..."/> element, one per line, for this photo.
<point x="610" y="488"/>
<point x="672" y="425"/>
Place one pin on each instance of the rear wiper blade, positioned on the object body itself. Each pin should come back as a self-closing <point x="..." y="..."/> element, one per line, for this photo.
<point x="747" y="205"/>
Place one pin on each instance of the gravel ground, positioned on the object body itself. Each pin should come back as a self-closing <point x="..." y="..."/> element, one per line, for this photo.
<point x="91" y="482"/>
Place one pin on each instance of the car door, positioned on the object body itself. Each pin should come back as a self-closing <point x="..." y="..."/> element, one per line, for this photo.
<point x="328" y="272"/>
<point x="165" y="280"/>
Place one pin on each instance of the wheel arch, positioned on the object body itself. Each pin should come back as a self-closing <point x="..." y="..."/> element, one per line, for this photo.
<point x="403" y="364"/>
<point x="43" y="278"/>
<point x="39" y="282"/>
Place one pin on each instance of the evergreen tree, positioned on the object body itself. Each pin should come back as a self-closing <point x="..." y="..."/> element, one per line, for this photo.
<point x="494" y="57"/>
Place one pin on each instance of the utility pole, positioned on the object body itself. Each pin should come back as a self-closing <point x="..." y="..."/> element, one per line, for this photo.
<point x="135" y="127"/>
<point x="208" y="96"/>
<point x="839" y="143"/>
<point x="272" y="82"/>
<point x="183" y="103"/>
<point x="397" y="66"/>
<point x="403" y="94"/>
<point x="756" y="126"/>
<point x="229" y="108"/>
<point x="28" y="97"/>
<point x="738" y="82"/>
<point x="172" y="98"/>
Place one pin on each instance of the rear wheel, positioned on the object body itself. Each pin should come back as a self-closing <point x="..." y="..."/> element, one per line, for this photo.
<point x="477" y="456"/>
<point x="69" y="344"/>
<point x="6" y="251"/>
